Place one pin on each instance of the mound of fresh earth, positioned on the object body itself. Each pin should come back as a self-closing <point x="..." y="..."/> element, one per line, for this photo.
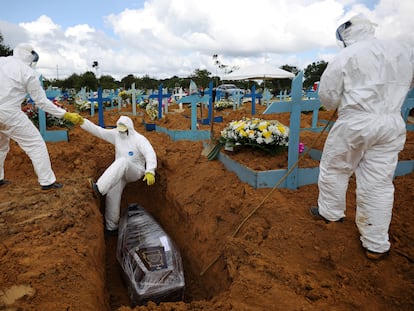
<point x="53" y="255"/>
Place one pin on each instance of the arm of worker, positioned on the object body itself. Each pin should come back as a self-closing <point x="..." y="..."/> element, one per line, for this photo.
<point x="331" y="86"/>
<point x="150" y="160"/>
<point x="38" y="95"/>
<point x="149" y="155"/>
<point x="105" y="134"/>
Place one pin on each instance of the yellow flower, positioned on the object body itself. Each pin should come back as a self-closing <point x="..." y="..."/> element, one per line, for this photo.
<point x="281" y="128"/>
<point x="266" y="134"/>
<point x="243" y="133"/>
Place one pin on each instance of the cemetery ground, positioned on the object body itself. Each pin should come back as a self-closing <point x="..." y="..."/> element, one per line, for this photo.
<point x="53" y="254"/>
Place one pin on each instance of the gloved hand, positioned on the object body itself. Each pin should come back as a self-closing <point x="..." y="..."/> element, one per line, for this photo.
<point x="149" y="178"/>
<point x="73" y="117"/>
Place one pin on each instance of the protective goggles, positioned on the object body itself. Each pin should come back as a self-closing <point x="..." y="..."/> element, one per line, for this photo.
<point x="35" y="56"/>
<point x="340" y="30"/>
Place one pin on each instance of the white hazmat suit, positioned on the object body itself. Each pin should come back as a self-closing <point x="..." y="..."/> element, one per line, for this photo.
<point x="134" y="158"/>
<point x="367" y="82"/>
<point x="17" y="80"/>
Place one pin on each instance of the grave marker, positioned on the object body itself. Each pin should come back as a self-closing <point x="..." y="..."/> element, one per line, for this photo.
<point x="298" y="176"/>
<point x="55" y="135"/>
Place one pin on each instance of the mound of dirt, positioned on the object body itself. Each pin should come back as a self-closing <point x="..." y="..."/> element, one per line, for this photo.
<point x="53" y="254"/>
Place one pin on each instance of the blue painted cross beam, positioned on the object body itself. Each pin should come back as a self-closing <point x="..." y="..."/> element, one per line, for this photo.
<point x="137" y="97"/>
<point x="160" y="95"/>
<point x="134" y="94"/>
<point x="266" y="96"/>
<point x="295" y="177"/>
<point x="194" y="99"/>
<point x="100" y="100"/>
<point x="210" y="118"/>
<point x="236" y="97"/>
<point x="55" y="135"/>
<point x="295" y="107"/>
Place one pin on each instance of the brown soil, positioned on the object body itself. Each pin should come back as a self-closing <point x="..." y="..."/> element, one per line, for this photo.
<point x="53" y="255"/>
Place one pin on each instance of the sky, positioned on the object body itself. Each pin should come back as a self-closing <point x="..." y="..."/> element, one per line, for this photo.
<point x="166" y="38"/>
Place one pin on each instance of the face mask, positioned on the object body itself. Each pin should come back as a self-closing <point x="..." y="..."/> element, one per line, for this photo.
<point x="122" y="128"/>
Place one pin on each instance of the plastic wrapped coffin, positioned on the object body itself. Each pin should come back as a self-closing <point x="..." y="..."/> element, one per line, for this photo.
<point x="150" y="261"/>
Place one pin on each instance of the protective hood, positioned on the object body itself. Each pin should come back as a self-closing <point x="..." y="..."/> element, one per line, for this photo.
<point x="26" y="54"/>
<point x="123" y="122"/>
<point x="358" y="28"/>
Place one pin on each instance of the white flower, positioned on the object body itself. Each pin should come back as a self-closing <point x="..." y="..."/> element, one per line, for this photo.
<point x="260" y="140"/>
<point x="268" y="135"/>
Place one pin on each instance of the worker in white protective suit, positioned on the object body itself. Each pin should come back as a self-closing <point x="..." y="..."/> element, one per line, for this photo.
<point x="134" y="158"/>
<point x="17" y="80"/>
<point x="367" y="82"/>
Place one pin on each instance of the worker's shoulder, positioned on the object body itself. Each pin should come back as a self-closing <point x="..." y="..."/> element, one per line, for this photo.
<point x="10" y="59"/>
<point x="13" y="67"/>
<point x="386" y="47"/>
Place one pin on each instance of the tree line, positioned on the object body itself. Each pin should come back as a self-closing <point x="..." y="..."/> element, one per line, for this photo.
<point x="201" y="77"/>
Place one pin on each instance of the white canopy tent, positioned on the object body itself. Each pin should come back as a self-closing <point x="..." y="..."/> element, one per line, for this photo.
<point x="259" y="72"/>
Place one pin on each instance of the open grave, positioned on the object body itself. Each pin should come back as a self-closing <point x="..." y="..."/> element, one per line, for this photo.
<point x="54" y="255"/>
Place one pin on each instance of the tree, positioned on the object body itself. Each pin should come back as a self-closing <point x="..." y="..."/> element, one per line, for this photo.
<point x="148" y="83"/>
<point x="88" y="79"/>
<point x="201" y="77"/>
<point x="108" y="82"/>
<point x="174" y="82"/>
<point x="4" y="50"/>
<point x="292" y="69"/>
<point x="74" y="81"/>
<point x="313" y="73"/>
<point x="280" y="85"/>
<point x="127" y="81"/>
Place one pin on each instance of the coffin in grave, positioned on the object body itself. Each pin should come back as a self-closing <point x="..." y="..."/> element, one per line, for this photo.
<point x="151" y="263"/>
